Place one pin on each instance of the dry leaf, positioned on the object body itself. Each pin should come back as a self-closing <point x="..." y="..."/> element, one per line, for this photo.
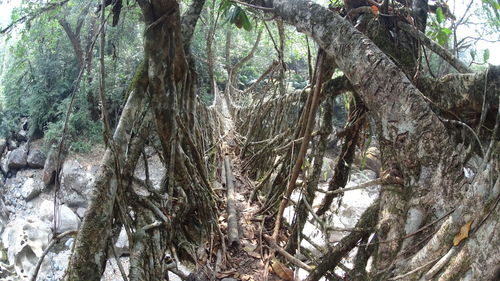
<point x="464" y="233"/>
<point x="282" y="271"/>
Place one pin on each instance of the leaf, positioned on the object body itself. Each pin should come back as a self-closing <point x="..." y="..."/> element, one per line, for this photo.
<point x="234" y="14"/>
<point x="224" y="6"/>
<point x="473" y="54"/>
<point x="486" y="55"/>
<point x="442" y="37"/>
<point x="446" y="31"/>
<point x="464" y="233"/>
<point x="282" y="271"/>
<point x="247" y="25"/>
<point x="439" y="15"/>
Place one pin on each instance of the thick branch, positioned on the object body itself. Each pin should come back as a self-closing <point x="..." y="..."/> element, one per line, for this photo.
<point x="189" y="20"/>
<point x="74" y="38"/>
<point x="463" y="94"/>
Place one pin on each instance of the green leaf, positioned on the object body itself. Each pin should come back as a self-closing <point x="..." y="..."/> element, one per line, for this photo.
<point x="224" y="6"/>
<point x="247" y="25"/>
<point x="442" y="36"/>
<point x="234" y="14"/>
<point x="486" y="55"/>
<point x="473" y="54"/>
<point x="445" y="30"/>
<point x="439" y="15"/>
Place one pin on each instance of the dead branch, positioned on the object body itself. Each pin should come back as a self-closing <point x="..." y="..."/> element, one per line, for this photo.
<point x="286" y="255"/>
<point x="232" y="219"/>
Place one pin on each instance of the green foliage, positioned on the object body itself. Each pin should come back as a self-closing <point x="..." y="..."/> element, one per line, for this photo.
<point x="41" y="73"/>
<point x="439" y="15"/>
<point x="436" y="29"/>
<point x="486" y="55"/>
<point x="492" y="10"/>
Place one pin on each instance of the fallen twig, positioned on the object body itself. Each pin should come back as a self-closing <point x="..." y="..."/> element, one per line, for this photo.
<point x="286" y="255"/>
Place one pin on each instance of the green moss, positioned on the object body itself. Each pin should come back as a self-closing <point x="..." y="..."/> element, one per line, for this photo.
<point x="138" y="76"/>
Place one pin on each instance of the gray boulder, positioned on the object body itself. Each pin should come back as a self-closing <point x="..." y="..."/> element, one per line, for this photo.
<point x="74" y="184"/>
<point x="12" y="144"/>
<point x="26" y="240"/>
<point x="22" y="136"/>
<point x="3" y="145"/>
<point x="67" y="220"/>
<point x="31" y="189"/>
<point x="18" y="158"/>
<point x="36" y="159"/>
<point x="4" y="163"/>
<point x="122" y="245"/>
<point x="50" y="167"/>
<point x="4" y="216"/>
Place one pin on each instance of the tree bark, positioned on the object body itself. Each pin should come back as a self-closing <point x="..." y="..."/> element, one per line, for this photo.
<point x="90" y="254"/>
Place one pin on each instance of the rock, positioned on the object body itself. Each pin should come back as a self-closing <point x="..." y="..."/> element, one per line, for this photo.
<point x="4" y="163"/>
<point x="12" y="144"/>
<point x="54" y="265"/>
<point x="69" y="243"/>
<point x="74" y="183"/>
<point x="31" y="189"/>
<point x="67" y="219"/>
<point x="370" y="160"/>
<point x="80" y="211"/>
<point x="3" y="145"/>
<point x="18" y="158"/>
<point x="26" y="240"/>
<point x="121" y="244"/>
<point x="49" y="168"/>
<point x="36" y="159"/>
<point x="373" y="160"/>
<point x="4" y="216"/>
<point x="22" y="136"/>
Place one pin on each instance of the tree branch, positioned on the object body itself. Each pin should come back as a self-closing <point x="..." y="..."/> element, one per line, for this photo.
<point x="444" y="54"/>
